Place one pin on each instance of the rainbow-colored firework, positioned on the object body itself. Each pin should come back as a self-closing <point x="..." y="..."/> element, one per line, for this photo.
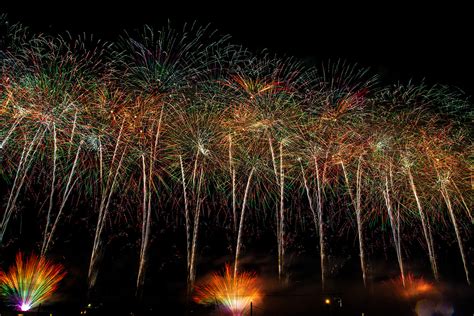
<point x="232" y="293"/>
<point x="30" y="282"/>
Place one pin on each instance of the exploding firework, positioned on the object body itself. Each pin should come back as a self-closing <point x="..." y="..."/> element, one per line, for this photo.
<point x="413" y="287"/>
<point x="30" y="281"/>
<point x="232" y="293"/>
<point x="183" y="129"/>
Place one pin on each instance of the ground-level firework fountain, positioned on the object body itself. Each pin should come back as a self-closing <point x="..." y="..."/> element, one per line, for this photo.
<point x="411" y="286"/>
<point x="232" y="293"/>
<point x="30" y="281"/>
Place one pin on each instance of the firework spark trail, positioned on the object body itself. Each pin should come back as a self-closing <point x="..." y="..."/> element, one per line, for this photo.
<point x="25" y="164"/>
<point x="398" y="231"/>
<point x="322" y="251"/>
<point x="282" y="214"/>
<point x="277" y="213"/>
<point x="103" y="211"/>
<point x="346" y="179"/>
<point x="310" y="201"/>
<point x="196" y="159"/>
<point x="30" y="283"/>
<point x="191" y="232"/>
<point x="187" y="219"/>
<point x="356" y="203"/>
<point x="272" y="152"/>
<point x="447" y="199"/>
<point x="241" y="224"/>
<point x="395" y="226"/>
<point x="232" y="175"/>
<point x="67" y="191"/>
<point x="197" y="216"/>
<point x="317" y="218"/>
<point x="426" y="226"/>
<point x="359" y="222"/>
<point x="279" y="177"/>
<point x="308" y="195"/>
<point x="468" y="211"/>
<point x="140" y="277"/>
<point x="101" y="166"/>
<point x="53" y="182"/>
<point x="146" y="225"/>
<point x="72" y="133"/>
<point x="6" y="215"/>
<point x="10" y="131"/>
<point x="100" y="226"/>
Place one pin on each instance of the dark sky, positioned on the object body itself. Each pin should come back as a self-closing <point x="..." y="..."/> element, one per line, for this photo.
<point x="399" y="41"/>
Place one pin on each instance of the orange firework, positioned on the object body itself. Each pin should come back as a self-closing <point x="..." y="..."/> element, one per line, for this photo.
<point x="31" y="282"/>
<point x="414" y="287"/>
<point x="234" y="295"/>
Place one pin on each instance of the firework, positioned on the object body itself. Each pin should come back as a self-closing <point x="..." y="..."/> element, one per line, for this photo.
<point x="239" y="235"/>
<point x="233" y="293"/>
<point x="176" y="128"/>
<point x="413" y="287"/>
<point x="394" y="223"/>
<point x="30" y="282"/>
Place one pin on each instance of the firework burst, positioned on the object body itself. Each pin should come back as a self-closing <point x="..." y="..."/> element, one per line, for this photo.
<point x="30" y="282"/>
<point x="232" y="293"/>
<point x="412" y="286"/>
<point x="182" y="128"/>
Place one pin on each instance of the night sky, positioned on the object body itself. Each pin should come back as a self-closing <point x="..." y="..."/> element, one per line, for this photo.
<point x="398" y="41"/>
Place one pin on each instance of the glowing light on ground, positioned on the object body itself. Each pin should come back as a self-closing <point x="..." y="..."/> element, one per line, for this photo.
<point x="25" y="307"/>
